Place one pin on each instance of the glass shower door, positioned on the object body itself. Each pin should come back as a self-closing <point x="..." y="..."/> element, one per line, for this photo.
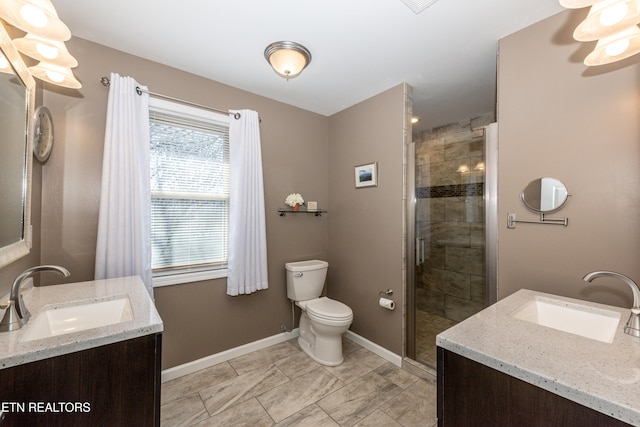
<point x="449" y="232"/>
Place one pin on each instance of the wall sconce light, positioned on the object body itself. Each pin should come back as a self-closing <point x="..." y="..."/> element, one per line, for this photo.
<point x="607" y="18"/>
<point x="35" y="16"/>
<point x="415" y="120"/>
<point x="619" y="46"/>
<point x="614" y="23"/>
<point x="44" y="40"/>
<point x="288" y="59"/>
<point x="55" y="74"/>
<point x="52" y="51"/>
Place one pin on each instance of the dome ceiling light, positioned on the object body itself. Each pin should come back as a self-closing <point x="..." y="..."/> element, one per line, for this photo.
<point x="288" y="59"/>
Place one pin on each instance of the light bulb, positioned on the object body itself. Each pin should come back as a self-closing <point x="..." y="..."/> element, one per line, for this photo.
<point x="613" y="14"/>
<point x="48" y="52"/>
<point x="56" y="77"/>
<point x="34" y="16"/>
<point x="617" y="47"/>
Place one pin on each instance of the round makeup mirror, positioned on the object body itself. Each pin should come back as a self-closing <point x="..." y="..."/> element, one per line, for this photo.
<point x="545" y="195"/>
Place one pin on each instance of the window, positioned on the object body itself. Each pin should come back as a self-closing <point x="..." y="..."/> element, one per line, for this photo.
<point x="189" y="193"/>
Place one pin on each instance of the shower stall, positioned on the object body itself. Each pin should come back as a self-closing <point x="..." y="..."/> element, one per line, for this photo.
<point x="452" y="173"/>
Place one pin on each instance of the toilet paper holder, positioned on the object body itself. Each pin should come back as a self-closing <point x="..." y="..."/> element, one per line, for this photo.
<point x="384" y="293"/>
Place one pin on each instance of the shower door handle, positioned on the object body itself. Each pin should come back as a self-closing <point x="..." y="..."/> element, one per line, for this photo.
<point x="419" y="250"/>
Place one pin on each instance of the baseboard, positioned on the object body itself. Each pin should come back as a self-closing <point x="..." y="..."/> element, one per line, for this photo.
<point x="375" y="348"/>
<point x="214" y="359"/>
<point x="223" y="356"/>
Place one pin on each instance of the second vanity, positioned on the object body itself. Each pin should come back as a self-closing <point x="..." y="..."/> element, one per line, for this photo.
<point x="500" y="368"/>
<point x="104" y="373"/>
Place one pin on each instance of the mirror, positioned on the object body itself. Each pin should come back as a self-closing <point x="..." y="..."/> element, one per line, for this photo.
<point x="17" y="95"/>
<point x="545" y="195"/>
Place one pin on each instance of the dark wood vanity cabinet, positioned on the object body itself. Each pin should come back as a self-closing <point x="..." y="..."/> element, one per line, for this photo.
<point x="112" y="385"/>
<point x="472" y="394"/>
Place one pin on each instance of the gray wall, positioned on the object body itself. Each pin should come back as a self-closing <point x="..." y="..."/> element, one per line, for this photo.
<point x="366" y="224"/>
<point x="199" y="318"/>
<point x="558" y="118"/>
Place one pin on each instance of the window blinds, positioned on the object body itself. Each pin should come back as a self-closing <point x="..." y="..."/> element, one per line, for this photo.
<point x="189" y="191"/>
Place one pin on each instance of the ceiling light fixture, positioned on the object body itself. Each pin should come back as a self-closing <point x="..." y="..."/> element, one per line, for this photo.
<point x="288" y="59"/>
<point x="614" y="23"/>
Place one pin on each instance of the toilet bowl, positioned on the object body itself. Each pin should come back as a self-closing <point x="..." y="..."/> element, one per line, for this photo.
<point x="323" y="320"/>
<point x="322" y="323"/>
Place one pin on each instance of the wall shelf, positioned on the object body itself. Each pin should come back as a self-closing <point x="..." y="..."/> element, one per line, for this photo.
<point x="283" y="212"/>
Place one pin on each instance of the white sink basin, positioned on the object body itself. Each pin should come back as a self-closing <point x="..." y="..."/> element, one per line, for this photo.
<point x="590" y="322"/>
<point x="55" y="321"/>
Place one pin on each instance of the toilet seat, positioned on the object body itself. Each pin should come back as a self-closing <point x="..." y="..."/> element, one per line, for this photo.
<point x="327" y="309"/>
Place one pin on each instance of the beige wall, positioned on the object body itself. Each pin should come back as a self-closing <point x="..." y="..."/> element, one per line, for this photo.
<point x="365" y="224"/>
<point x="561" y="119"/>
<point x="199" y="318"/>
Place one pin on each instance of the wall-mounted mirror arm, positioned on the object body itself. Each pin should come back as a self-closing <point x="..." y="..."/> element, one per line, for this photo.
<point x="511" y="220"/>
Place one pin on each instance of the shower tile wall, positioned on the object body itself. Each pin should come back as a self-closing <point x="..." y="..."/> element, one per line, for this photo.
<point x="450" y="218"/>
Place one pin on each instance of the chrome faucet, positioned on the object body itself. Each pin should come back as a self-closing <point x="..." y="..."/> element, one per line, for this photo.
<point x="16" y="313"/>
<point x="633" y="324"/>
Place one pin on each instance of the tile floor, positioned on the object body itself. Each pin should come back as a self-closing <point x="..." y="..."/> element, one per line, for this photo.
<point x="280" y="385"/>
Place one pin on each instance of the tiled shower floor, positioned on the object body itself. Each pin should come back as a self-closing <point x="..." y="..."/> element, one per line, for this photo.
<point x="427" y="327"/>
<point x="280" y="385"/>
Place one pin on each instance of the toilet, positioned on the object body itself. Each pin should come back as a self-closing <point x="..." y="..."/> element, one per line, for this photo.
<point x="323" y="320"/>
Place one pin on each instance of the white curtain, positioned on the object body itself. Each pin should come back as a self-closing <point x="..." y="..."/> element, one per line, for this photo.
<point x="124" y="224"/>
<point x="247" y="230"/>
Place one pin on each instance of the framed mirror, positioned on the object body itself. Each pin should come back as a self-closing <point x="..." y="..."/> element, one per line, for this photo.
<point x="17" y="97"/>
<point x="545" y="195"/>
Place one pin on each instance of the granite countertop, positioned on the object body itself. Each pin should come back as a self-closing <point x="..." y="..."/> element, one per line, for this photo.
<point x="146" y="320"/>
<point x="599" y="375"/>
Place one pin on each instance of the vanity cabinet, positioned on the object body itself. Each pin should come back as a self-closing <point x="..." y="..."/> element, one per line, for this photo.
<point x="472" y="394"/>
<point x="116" y="384"/>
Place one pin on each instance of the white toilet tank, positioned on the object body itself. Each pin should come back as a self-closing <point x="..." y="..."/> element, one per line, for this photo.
<point x="305" y="279"/>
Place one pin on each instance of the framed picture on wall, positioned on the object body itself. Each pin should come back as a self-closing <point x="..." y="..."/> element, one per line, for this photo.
<point x="367" y="175"/>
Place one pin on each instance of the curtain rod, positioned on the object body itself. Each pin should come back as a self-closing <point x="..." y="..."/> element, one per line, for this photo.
<point x="105" y="82"/>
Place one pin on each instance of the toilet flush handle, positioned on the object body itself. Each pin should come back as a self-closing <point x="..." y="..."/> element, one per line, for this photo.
<point x="297" y="274"/>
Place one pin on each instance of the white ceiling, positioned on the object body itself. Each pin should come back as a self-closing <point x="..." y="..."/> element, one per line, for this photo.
<point x="360" y="48"/>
